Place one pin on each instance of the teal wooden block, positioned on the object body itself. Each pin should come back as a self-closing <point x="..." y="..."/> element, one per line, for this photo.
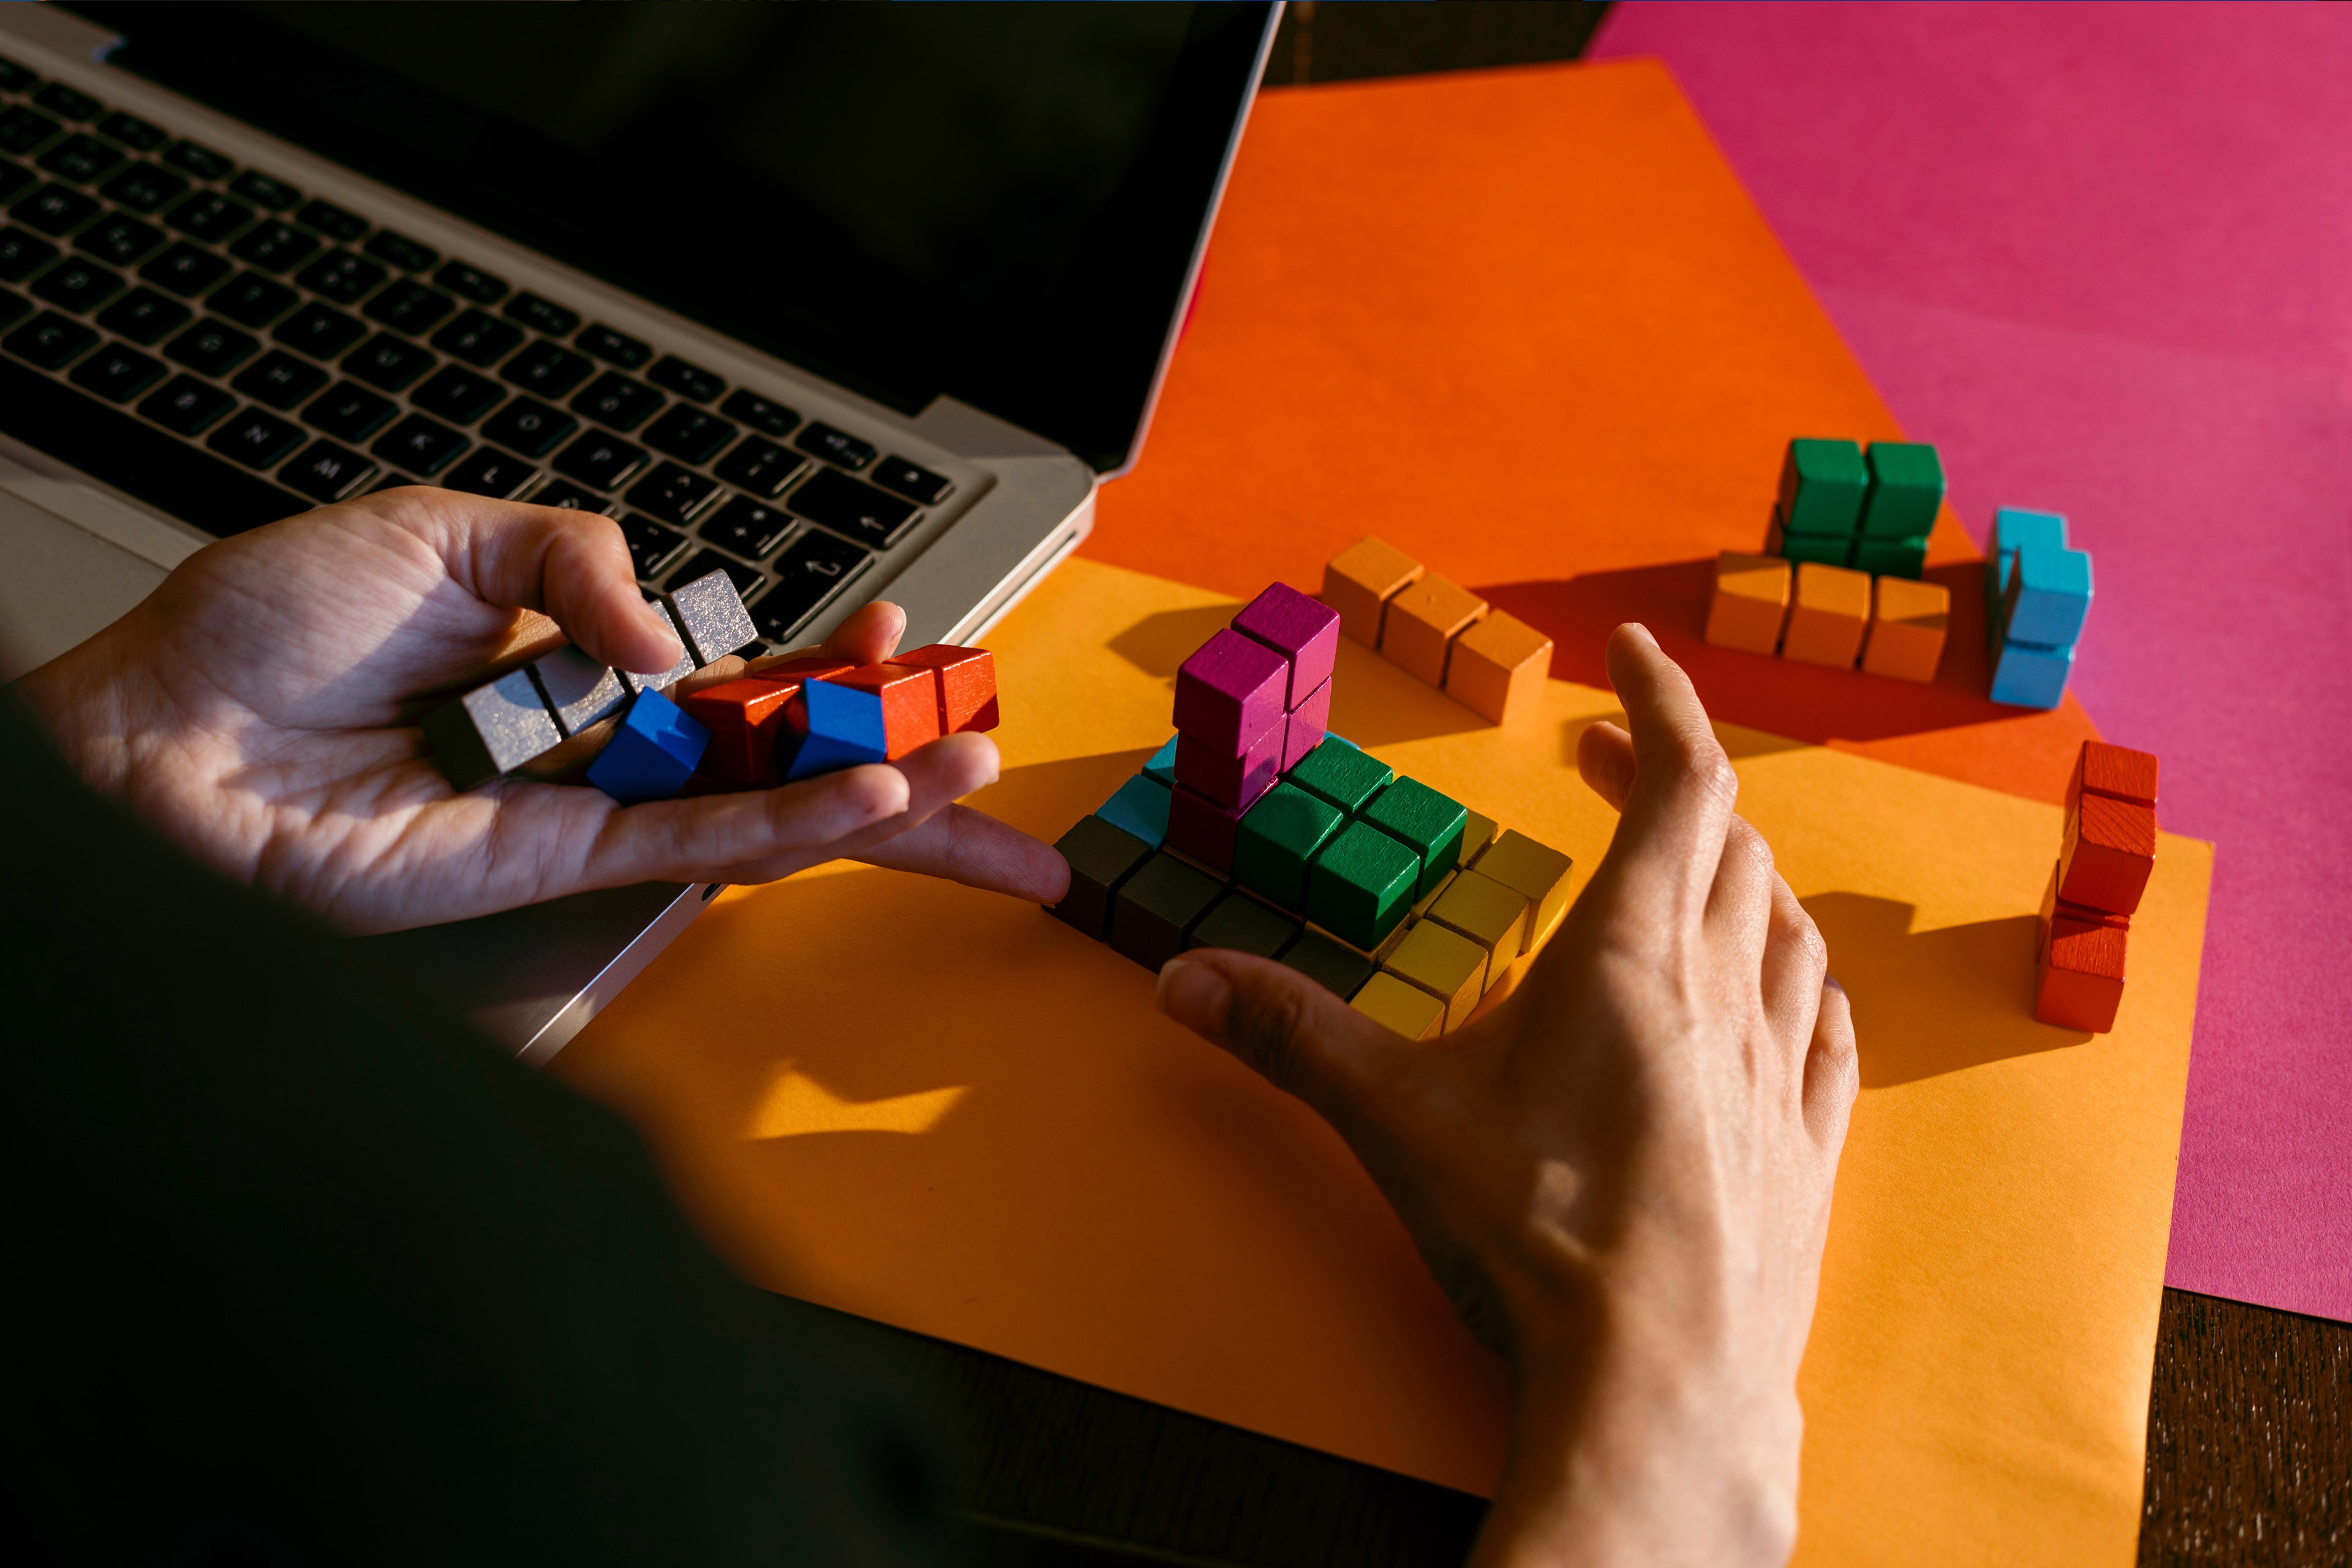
<point x="1139" y="806"/>
<point x="2048" y="595"/>
<point x="1278" y="840"/>
<point x="2014" y="527"/>
<point x="1907" y="486"/>
<point x="1361" y="884"/>
<point x="1822" y="484"/>
<point x="1891" y="557"/>
<point x="1426" y="822"/>
<point x="1340" y="970"/>
<point x="1241" y="924"/>
<point x="1162" y="765"/>
<point x="2031" y="676"/>
<point x="1338" y="772"/>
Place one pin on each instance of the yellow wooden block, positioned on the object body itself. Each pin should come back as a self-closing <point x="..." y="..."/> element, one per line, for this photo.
<point x="1497" y="667"/>
<point x="1422" y="622"/>
<point x="1751" y="600"/>
<point x="1831" y="613"/>
<point x="1360" y="580"/>
<point x="1907" y="623"/>
<point x="1476" y="834"/>
<point x="1534" y="871"/>
<point x="1409" y="1010"/>
<point x="1488" y="913"/>
<point x="1446" y="964"/>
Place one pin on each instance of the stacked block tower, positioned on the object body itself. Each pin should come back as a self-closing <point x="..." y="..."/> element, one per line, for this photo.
<point x="1255" y="828"/>
<point x="1872" y="509"/>
<point x="2037" y="595"/>
<point x="2102" y="868"/>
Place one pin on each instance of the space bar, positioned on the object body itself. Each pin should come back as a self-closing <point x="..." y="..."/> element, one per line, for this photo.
<point x="137" y="459"/>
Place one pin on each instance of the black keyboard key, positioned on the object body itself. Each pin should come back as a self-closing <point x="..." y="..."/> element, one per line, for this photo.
<point x="614" y="399"/>
<point x="760" y="466"/>
<point x="341" y="277"/>
<point x="335" y="223"/>
<point x="59" y="99"/>
<point x="250" y="299"/>
<point x="209" y="216"/>
<point x="478" y="339"/>
<point x="143" y="187"/>
<point x="572" y="498"/>
<point x="80" y="158"/>
<point x="903" y="478"/>
<point x="674" y="375"/>
<point x="747" y="579"/>
<point x="280" y="380"/>
<point x="54" y="210"/>
<point x="23" y="253"/>
<point x="421" y="446"/>
<point x="530" y="426"/>
<point x="326" y="472"/>
<point x="21" y="130"/>
<point x="132" y="132"/>
<point x="185" y="270"/>
<point x="410" y="308"/>
<point x="319" y="331"/>
<point x="350" y="413"/>
<point x="77" y="285"/>
<point x="202" y="162"/>
<point x="836" y="445"/>
<point x="834" y="501"/>
<point x="14" y="78"/>
<point x="549" y="369"/>
<point x="614" y="348"/>
<point x="651" y="545"/>
<point x="13" y="178"/>
<point x="487" y="471"/>
<point x="12" y="306"/>
<point x="144" y="316"/>
<point x="600" y="459"/>
<point x="275" y="245"/>
<point x="118" y="373"/>
<point x="689" y="434"/>
<point x="119" y="239"/>
<point x="458" y="394"/>
<point x="257" y="440"/>
<point x="672" y="494"/>
<point x="811" y="569"/>
<point x="474" y="284"/>
<point x="401" y="251"/>
<point x="544" y="314"/>
<point x="210" y="348"/>
<point x="262" y="190"/>
<point x="186" y="406"/>
<point x="387" y="362"/>
<point x="748" y="527"/>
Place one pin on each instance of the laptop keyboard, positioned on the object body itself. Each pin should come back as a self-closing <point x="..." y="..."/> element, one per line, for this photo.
<point x="211" y="340"/>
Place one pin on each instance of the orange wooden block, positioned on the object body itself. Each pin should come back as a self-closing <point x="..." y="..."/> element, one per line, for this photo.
<point x="2109" y="851"/>
<point x="2116" y="771"/>
<point x="1498" y="665"/>
<point x="1360" y="580"/>
<point x="1908" y="621"/>
<point x="744" y="717"/>
<point x="1831" y="613"/>
<point x="1751" y="600"/>
<point x="1422" y="622"/>
<point x="2079" y="978"/>
<point x="910" y="703"/>
<point x="966" y="680"/>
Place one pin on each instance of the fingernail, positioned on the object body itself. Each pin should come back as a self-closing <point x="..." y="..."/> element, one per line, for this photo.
<point x="1194" y="995"/>
<point x="1832" y="982"/>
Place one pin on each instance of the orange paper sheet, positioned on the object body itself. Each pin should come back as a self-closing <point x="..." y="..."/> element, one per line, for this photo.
<point x="951" y="1112"/>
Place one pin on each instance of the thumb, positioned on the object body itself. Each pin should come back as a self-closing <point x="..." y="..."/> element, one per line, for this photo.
<point x="1304" y="1039"/>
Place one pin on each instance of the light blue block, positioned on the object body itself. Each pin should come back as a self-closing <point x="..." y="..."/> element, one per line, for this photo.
<point x="1141" y="808"/>
<point x="2014" y="527"/>
<point x="1162" y="765"/>
<point x="1343" y="741"/>
<point x="844" y="729"/>
<point x="2025" y="676"/>
<point x="2048" y="595"/>
<point x="652" y="753"/>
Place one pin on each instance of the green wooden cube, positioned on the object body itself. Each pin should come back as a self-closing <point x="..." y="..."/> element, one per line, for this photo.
<point x="1429" y="823"/>
<point x="1361" y="884"/>
<point x="1907" y="486"/>
<point x="1340" y="774"/>
<point x="1241" y="924"/>
<point x="1341" y="971"/>
<point x="1822" y="484"/>
<point x="1278" y="839"/>
<point x="1157" y="906"/>
<point x="1891" y="557"/>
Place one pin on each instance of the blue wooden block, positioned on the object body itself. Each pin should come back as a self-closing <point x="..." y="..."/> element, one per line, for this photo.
<point x="2030" y="677"/>
<point x="2048" y="595"/>
<point x="652" y="753"/>
<point x="845" y="729"/>
<point x="1162" y="765"/>
<point x="2014" y="527"/>
<point x="1141" y="808"/>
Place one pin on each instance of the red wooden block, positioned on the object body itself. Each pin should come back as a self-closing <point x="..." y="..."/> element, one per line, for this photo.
<point x="2109" y="851"/>
<point x="1202" y="828"/>
<point x="967" y="684"/>
<point x="910" y="703"/>
<point x="2079" y="980"/>
<point x="803" y="667"/>
<point x="744" y="717"/>
<point x="2052" y="906"/>
<point x="2118" y="772"/>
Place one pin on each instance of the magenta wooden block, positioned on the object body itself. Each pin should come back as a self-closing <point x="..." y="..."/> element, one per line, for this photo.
<point x="1202" y="828"/>
<point x="1230" y="691"/>
<point x="1306" y="725"/>
<point x="1231" y="781"/>
<point x="1304" y="631"/>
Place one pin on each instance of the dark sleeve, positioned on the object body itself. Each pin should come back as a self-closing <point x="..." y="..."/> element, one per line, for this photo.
<point x="298" y="1271"/>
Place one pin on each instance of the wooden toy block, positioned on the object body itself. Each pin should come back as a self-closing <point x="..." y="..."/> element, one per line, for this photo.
<point x="2052" y="906"/>
<point x="1101" y="856"/>
<point x="1138" y="806"/>
<point x="1304" y="727"/>
<point x="1891" y="557"/>
<point x="1537" y="872"/>
<point x="1498" y="667"/>
<point x="1241" y="924"/>
<point x="637" y="682"/>
<point x="744" y="717"/>
<point x="2024" y="676"/>
<point x="2014" y="527"/>
<point x="1360" y="885"/>
<point x="1204" y="829"/>
<point x="1407" y="1009"/>
<point x="1750" y="603"/>
<point x="1830" y="612"/>
<point x="909" y="698"/>
<point x="577" y="689"/>
<point x="1425" y="821"/>
<point x="1157" y="906"/>
<point x="1229" y="692"/>
<point x="799" y="667"/>
<point x="653" y="752"/>
<point x="1335" y="966"/>
<point x="1477" y="832"/>
<point x="1229" y="779"/>
<point x="2110" y="850"/>
<point x="1422" y="622"/>
<point x="830" y="727"/>
<point x="1488" y="913"/>
<point x="1907" y="623"/>
<point x="1359" y="583"/>
<point x="491" y="729"/>
<point x="1906" y="487"/>
<point x="966" y="682"/>
<point x="1829" y="548"/>
<point x="1278" y="840"/>
<point x="2118" y="772"/>
<point x="1162" y="765"/>
<point x="1446" y="964"/>
<point x="1342" y="773"/>
<point x="711" y="614"/>
<point x="1304" y="631"/>
<point x="1429" y="896"/>
<point x="1822" y="484"/>
<point x="2047" y="596"/>
<point x="2079" y="975"/>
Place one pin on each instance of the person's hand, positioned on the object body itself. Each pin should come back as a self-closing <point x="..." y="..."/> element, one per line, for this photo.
<point x="260" y="707"/>
<point x="1621" y="1175"/>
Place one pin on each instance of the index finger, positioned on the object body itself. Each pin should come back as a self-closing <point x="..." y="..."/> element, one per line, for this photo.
<point x="1677" y="808"/>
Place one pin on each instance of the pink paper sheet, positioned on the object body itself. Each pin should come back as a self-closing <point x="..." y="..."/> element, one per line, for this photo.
<point x="2098" y="256"/>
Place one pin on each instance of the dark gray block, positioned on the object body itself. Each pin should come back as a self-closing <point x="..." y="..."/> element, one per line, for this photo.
<point x="1340" y="970"/>
<point x="491" y="729"/>
<point x="1157" y="906"/>
<point x="579" y="690"/>
<point x="1244" y="924"/>
<point x="1101" y="856"/>
<point x="676" y="672"/>
<point x="711" y="614"/>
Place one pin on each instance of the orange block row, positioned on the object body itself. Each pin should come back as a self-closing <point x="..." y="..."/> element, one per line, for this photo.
<point x="1488" y="660"/>
<point x="757" y="722"/>
<point x="2102" y="871"/>
<point x="1830" y="616"/>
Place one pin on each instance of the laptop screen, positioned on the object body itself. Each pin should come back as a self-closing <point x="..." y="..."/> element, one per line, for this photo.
<point x="997" y="202"/>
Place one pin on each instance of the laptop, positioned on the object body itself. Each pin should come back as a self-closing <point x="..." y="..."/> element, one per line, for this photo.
<point x="845" y="300"/>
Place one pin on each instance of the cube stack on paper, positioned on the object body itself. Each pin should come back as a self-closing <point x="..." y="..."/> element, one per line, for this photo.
<point x="1842" y="506"/>
<point x="1488" y="660"/>
<point x="2102" y="868"/>
<point x="2037" y="593"/>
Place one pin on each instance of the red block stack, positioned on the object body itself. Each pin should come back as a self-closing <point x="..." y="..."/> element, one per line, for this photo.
<point x="2102" y="868"/>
